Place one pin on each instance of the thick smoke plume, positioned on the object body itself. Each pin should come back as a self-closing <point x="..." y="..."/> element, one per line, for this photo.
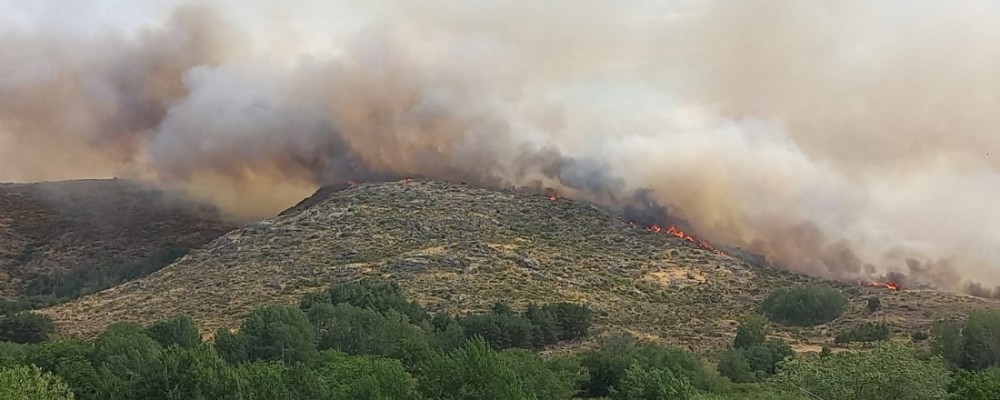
<point x="838" y="138"/>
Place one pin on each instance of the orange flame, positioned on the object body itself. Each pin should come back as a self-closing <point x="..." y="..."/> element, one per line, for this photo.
<point x="891" y="286"/>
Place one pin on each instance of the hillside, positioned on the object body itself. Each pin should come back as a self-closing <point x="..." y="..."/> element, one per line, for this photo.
<point x="58" y="227"/>
<point x="460" y="248"/>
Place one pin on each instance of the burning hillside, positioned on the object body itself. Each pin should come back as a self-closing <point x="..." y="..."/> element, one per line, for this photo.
<point x="783" y="139"/>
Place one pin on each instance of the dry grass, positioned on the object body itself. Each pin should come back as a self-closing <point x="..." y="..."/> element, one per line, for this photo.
<point x="459" y="248"/>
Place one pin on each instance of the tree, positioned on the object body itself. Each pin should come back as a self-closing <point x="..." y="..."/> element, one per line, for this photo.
<point x="890" y="371"/>
<point x="30" y="383"/>
<point x="653" y="384"/>
<point x="177" y="331"/>
<point x="356" y="331"/>
<point x="804" y="305"/>
<point x="278" y="333"/>
<point x="378" y="296"/>
<point x="472" y="372"/>
<point x="981" y="339"/>
<point x="866" y="332"/>
<point x="981" y="385"/>
<point x="734" y="366"/>
<point x="572" y="320"/>
<point x="751" y="332"/>
<point x="946" y="341"/>
<point x="25" y="327"/>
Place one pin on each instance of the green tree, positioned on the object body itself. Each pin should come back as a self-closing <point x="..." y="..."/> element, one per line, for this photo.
<point x="653" y="384"/>
<point x="177" y="331"/>
<point x="804" y="305"/>
<point x="891" y="371"/>
<point x="278" y="333"/>
<point x="542" y="379"/>
<point x="981" y="339"/>
<point x="355" y="330"/>
<point x="572" y="320"/>
<point x="366" y="378"/>
<point x="981" y="385"/>
<point x="946" y="341"/>
<point x="734" y="366"/>
<point x="378" y="296"/>
<point x="30" y="383"/>
<point x="751" y="331"/>
<point x="25" y="327"/>
<point x="472" y="372"/>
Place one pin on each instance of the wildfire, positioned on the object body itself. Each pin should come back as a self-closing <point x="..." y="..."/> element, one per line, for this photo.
<point x="891" y="286"/>
<point x="673" y="230"/>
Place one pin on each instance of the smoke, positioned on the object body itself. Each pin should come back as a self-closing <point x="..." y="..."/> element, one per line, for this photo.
<point x="840" y="139"/>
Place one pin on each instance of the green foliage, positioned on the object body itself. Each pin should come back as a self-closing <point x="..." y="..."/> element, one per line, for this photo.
<point x="608" y="364"/>
<point x="25" y="327"/>
<point x="177" y="331"/>
<point x="981" y="339"/>
<point x="544" y="380"/>
<point x="734" y="366"/>
<point x="277" y="333"/>
<point x="866" y="332"/>
<point x="981" y="385"/>
<point x="501" y="331"/>
<point x="804" y="305"/>
<point x="471" y="372"/>
<point x="572" y="320"/>
<point x="378" y="296"/>
<point x="363" y="331"/>
<point x="30" y="383"/>
<point x="751" y="331"/>
<point x="891" y="371"/>
<point x="946" y="341"/>
<point x="83" y="281"/>
<point x="653" y="384"/>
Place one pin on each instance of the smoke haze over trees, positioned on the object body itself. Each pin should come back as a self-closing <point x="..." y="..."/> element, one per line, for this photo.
<point x="837" y="138"/>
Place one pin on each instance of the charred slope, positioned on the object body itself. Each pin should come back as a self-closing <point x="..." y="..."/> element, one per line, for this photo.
<point x="459" y="248"/>
<point x="56" y="228"/>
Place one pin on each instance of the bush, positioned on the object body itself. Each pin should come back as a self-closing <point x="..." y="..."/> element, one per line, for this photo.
<point x="981" y="339"/>
<point x="277" y="333"/>
<point x="866" y="332"/>
<point x="890" y="371"/>
<point x="25" y="327"/>
<point x="653" y="384"/>
<point x="30" y="383"/>
<point x="178" y="331"/>
<point x="804" y="305"/>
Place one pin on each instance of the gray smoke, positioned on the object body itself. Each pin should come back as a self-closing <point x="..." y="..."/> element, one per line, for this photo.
<point x="836" y="138"/>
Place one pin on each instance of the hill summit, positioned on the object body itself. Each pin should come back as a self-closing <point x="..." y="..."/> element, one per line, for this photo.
<point x="460" y="248"/>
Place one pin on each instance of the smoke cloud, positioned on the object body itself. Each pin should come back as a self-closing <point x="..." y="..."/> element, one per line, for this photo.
<point x="837" y="138"/>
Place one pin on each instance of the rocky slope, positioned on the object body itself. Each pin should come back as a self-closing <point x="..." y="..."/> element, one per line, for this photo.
<point x="56" y="227"/>
<point x="459" y="248"/>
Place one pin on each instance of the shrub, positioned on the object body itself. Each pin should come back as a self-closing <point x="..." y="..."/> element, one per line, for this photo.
<point x="866" y="332"/>
<point x="177" y="331"/>
<point x="804" y="305"/>
<point x="890" y="371"/>
<point x="25" y="327"/>
<point x="278" y="333"/>
<point x="30" y="383"/>
<point x="653" y="384"/>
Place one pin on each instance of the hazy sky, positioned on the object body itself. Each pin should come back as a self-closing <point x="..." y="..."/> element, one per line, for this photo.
<point x="824" y="134"/>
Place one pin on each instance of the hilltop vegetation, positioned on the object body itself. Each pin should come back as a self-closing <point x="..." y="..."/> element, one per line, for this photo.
<point x="61" y="240"/>
<point x="366" y="340"/>
<point x="456" y="249"/>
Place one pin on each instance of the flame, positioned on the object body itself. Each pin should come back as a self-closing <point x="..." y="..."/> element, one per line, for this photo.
<point x="673" y="230"/>
<point x="553" y="197"/>
<point x="891" y="286"/>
